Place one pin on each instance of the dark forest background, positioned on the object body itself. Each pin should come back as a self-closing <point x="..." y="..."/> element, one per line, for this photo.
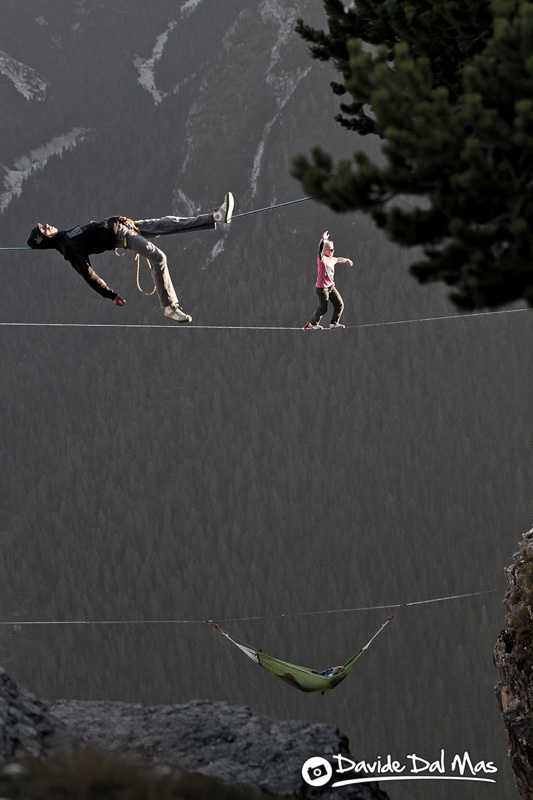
<point x="170" y="473"/>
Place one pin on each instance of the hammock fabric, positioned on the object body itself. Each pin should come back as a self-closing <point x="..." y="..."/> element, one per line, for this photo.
<point x="302" y="678"/>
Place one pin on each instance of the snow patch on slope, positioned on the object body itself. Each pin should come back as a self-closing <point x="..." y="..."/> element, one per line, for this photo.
<point x="146" y="67"/>
<point x="185" y="202"/>
<point x="217" y="250"/>
<point x="35" y="160"/>
<point x="283" y="83"/>
<point x="26" y="81"/>
<point x="190" y="6"/>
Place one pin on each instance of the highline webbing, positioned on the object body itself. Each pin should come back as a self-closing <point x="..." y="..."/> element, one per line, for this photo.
<point x="242" y="619"/>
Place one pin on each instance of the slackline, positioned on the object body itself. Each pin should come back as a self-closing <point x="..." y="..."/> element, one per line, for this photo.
<point x="267" y="208"/>
<point x="234" y="216"/>
<point x="256" y="327"/>
<point x="240" y="619"/>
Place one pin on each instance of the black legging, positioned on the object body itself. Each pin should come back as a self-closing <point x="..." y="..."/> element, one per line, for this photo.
<point x="328" y="293"/>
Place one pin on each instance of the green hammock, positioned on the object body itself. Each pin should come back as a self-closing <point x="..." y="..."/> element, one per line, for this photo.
<point x="302" y="678"/>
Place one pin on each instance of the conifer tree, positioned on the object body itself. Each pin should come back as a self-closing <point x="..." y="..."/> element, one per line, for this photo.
<point x="447" y="85"/>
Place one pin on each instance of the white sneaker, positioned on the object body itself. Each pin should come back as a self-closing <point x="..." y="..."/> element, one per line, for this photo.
<point x="223" y="214"/>
<point x="175" y="313"/>
<point x="336" y="325"/>
<point x="316" y="327"/>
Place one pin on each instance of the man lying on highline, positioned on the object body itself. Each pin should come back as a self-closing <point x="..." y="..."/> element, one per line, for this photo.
<point x="77" y="244"/>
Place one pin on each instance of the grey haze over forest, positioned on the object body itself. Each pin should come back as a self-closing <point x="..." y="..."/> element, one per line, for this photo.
<point x="188" y="474"/>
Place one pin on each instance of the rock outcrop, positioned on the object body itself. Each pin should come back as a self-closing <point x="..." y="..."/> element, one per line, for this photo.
<point x="26" y="727"/>
<point x="513" y="656"/>
<point x="216" y="739"/>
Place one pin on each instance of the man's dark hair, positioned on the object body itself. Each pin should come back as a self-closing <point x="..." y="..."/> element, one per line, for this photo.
<point x="37" y="240"/>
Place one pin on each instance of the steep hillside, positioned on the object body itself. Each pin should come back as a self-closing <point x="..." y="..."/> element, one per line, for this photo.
<point x="270" y="478"/>
<point x="147" y="112"/>
<point x="513" y="656"/>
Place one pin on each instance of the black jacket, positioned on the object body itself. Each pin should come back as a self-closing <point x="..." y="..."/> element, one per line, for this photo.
<point x="77" y="244"/>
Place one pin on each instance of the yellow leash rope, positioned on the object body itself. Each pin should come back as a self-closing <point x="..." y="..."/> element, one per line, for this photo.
<point x="138" y="265"/>
<point x="138" y="268"/>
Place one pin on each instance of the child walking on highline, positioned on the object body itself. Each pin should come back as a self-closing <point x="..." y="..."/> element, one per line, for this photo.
<point x="325" y="288"/>
<point x="77" y="244"/>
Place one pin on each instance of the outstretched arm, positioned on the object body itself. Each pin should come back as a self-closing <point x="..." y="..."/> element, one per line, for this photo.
<point x="83" y="267"/>
<point x="321" y="243"/>
<point x="345" y="261"/>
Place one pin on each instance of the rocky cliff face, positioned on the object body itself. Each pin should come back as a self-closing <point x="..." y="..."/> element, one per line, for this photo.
<point x="513" y="656"/>
<point x="215" y="739"/>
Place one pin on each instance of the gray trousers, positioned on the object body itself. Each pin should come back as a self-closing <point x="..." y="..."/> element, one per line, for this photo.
<point x="150" y="229"/>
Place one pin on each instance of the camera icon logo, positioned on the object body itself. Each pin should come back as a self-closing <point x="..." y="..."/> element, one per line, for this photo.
<point x="317" y="771"/>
